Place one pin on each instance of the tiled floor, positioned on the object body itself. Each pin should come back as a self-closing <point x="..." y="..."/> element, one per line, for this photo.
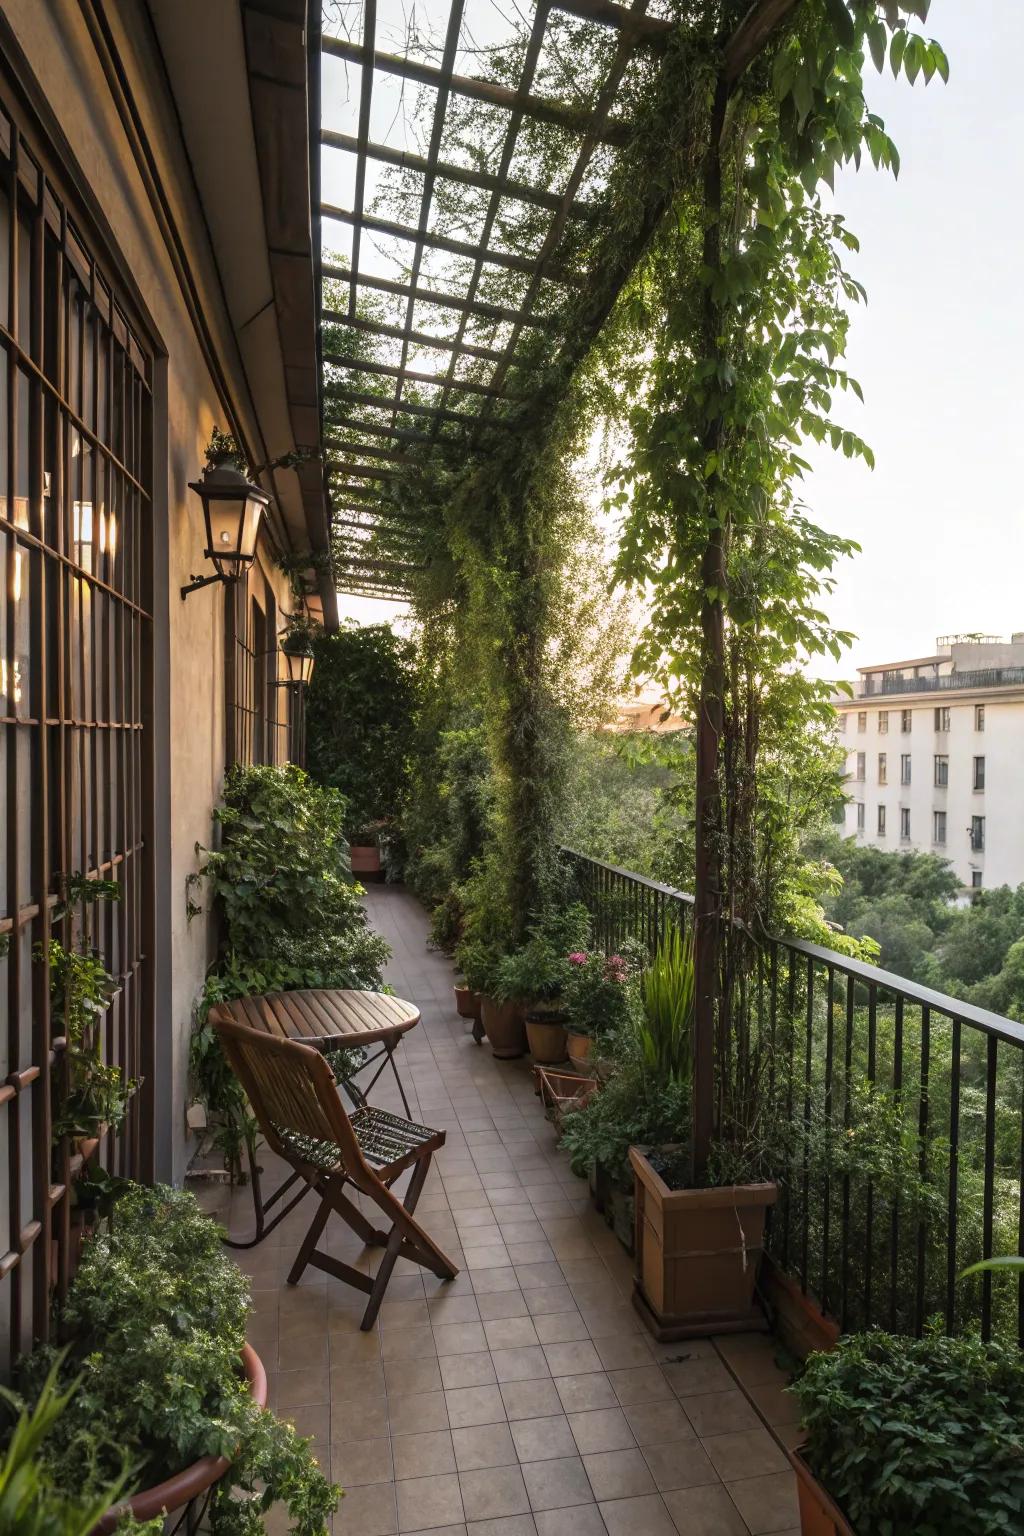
<point x="523" y="1398"/>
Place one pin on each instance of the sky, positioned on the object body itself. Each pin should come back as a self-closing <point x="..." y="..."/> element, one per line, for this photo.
<point x="938" y="350"/>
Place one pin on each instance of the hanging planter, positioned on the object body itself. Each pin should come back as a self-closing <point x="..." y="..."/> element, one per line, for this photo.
<point x="697" y="1253"/>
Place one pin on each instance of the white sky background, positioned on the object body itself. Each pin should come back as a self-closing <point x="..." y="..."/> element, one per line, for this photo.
<point x="938" y="351"/>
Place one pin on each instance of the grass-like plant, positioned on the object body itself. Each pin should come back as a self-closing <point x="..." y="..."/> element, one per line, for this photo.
<point x="665" y="1026"/>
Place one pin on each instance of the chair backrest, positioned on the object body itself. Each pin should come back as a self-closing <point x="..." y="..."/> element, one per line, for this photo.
<point x="290" y="1087"/>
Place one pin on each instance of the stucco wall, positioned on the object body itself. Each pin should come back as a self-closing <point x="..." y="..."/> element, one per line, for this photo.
<point x="62" y="57"/>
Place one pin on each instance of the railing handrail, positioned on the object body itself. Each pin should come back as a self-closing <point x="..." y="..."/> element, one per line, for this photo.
<point x="871" y="975"/>
<point x="949" y="682"/>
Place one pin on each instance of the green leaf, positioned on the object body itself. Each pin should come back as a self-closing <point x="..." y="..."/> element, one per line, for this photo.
<point x="842" y="21"/>
<point x="876" y="42"/>
<point x="897" y="48"/>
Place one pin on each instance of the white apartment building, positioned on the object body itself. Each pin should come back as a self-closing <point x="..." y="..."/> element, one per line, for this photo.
<point x="935" y="756"/>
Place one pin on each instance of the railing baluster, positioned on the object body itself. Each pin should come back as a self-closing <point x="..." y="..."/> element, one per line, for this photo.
<point x="805" y="1214"/>
<point x="894" y="1219"/>
<point x="844" y="1303"/>
<point x="869" y="1197"/>
<point x="952" y="1209"/>
<point x="988" y="1212"/>
<point x="922" y="1131"/>
<point x="826" y="1192"/>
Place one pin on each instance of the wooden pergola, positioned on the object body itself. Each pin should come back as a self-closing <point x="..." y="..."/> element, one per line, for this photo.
<point x="426" y="356"/>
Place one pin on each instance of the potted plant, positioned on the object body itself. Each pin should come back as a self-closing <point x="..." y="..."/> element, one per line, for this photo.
<point x="911" y="1435"/>
<point x="165" y="1383"/>
<point x="364" y="851"/>
<point x="476" y="961"/>
<point x="697" y="1248"/>
<point x="597" y="999"/>
<point x="534" y="976"/>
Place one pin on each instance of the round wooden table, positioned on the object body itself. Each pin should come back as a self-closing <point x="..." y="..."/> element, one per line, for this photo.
<point x="332" y="1019"/>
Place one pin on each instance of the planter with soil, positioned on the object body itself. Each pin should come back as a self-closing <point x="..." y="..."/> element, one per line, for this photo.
<point x="697" y="1252"/>
<point x="546" y="1034"/>
<point x="504" y="1027"/>
<point x="820" y="1515"/>
<point x="467" y="1002"/>
<point x="579" y="1046"/>
<point x="192" y="1482"/>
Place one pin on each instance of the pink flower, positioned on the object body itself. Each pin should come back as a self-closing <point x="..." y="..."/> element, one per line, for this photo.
<point x="578" y="957"/>
<point x="615" y="968"/>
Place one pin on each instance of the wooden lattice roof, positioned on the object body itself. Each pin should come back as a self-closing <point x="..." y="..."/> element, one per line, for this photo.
<point x="463" y="211"/>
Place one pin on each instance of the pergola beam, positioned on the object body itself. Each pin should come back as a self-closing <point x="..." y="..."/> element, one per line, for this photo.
<point x="416" y="338"/>
<point x="496" y="312"/>
<point x="378" y="226"/>
<point x="387" y="370"/>
<point x="643" y="29"/>
<point x="541" y="108"/>
<point x="412" y="407"/>
<point x="408" y="161"/>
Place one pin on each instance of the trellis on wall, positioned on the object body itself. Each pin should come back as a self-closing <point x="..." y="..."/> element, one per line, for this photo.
<point x="75" y="693"/>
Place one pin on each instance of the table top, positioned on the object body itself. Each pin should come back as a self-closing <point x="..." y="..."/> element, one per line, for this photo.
<point x="325" y="1015"/>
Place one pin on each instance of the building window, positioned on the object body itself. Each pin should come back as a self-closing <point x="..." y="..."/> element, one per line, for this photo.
<point x="841" y="724"/>
<point x="862" y="765"/>
<point x="860" y="815"/>
<point x="76" y="687"/>
<point x="905" y="768"/>
<point x="979" y="773"/>
<point x="979" y="725"/>
<point x="976" y="879"/>
<point x="883" y="722"/>
<point x="977" y="834"/>
<point x="941" y="770"/>
<point x="881" y="821"/>
<point x="883" y="771"/>
<point x="939" y="828"/>
<point x="905" y="823"/>
<point x="906" y="720"/>
<point x="862" y="720"/>
<point x="942" y="717"/>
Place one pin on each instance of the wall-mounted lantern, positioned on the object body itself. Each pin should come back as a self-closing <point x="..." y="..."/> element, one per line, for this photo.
<point x="232" y="508"/>
<point x="299" y="665"/>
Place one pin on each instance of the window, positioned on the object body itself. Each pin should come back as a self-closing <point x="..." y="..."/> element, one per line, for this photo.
<point x="979" y="725"/>
<point x="883" y="722"/>
<point x="939" y="827"/>
<point x="862" y="720"/>
<point x="258" y="712"/>
<point x="862" y="765"/>
<point x="842" y="723"/>
<point x="881" y="821"/>
<point x="941" y="770"/>
<point x="976" y="879"/>
<point x="905" y="823"/>
<point x="883" y="771"/>
<point x="942" y="717"/>
<point x="979" y="773"/>
<point x="977" y="834"/>
<point x="906" y="720"/>
<point x="905" y="768"/>
<point x="76" y="684"/>
<point x="860" y="815"/>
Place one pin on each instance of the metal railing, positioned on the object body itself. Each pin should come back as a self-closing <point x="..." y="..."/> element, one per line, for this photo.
<point x="897" y="1113"/>
<point x="989" y="677"/>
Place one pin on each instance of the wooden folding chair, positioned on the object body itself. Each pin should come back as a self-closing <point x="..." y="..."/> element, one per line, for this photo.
<point x="295" y="1100"/>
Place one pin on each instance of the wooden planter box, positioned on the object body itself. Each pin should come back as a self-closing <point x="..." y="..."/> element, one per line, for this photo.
<point x="819" y="1513"/>
<point x="697" y="1254"/>
<point x="796" y="1315"/>
<point x="365" y="859"/>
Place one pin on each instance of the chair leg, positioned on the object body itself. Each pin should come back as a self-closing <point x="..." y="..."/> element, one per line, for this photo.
<point x="407" y="1234"/>
<point x="309" y="1242"/>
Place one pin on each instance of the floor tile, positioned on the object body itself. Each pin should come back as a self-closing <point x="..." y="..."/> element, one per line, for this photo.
<point x="467" y="1370"/>
<point x="747" y="1453"/>
<point x="524" y="1364"/>
<point x="425" y="1502"/>
<point x="543" y="1439"/>
<point x="643" y="1516"/>
<point x="362" y="1461"/>
<point x="474" y="1405"/>
<point x="618" y="1474"/>
<point x="767" y="1503"/>
<point x="498" y="1491"/>
<point x="658" y="1423"/>
<point x="484" y="1445"/>
<point x="575" y="1357"/>
<point x="418" y="1413"/>
<point x="367" y="1511"/>
<point x="419" y="1455"/>
<point x="579" y="1520"/>
<point x="682" y="1464"/>
<point x="530" y="1399"/>
<point x="704" y="1511"/>
<point x="581" y="1392"/>
<point x="556" y="1484"/>
<point x="720" y="1413"/>
<point x="601" y="1429"/>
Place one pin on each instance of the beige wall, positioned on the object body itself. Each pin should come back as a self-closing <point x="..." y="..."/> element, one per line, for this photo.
<point x="61" y="55"/>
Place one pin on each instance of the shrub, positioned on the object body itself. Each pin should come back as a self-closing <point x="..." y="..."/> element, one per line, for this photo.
<point x="156" y="1317"/>
<point x="920" y="1435"/>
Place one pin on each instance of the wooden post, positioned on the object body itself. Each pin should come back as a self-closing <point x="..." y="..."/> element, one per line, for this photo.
<point x="711" y="708"/>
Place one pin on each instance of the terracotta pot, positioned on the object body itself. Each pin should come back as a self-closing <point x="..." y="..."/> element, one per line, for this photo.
<point x="819" y="1513"/>
<point x="177" y="1491"/>
<point x="579" y="1046"/>
<point x="467" y="1003"/>
<point x="697" y="1254"/>
<point x="365" y="860"/>
<point x="547" y="1040"/>
<point x="504" y="1028"/>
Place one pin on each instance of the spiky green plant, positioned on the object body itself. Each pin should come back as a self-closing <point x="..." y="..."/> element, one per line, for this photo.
<point x="665" y="1027"/>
